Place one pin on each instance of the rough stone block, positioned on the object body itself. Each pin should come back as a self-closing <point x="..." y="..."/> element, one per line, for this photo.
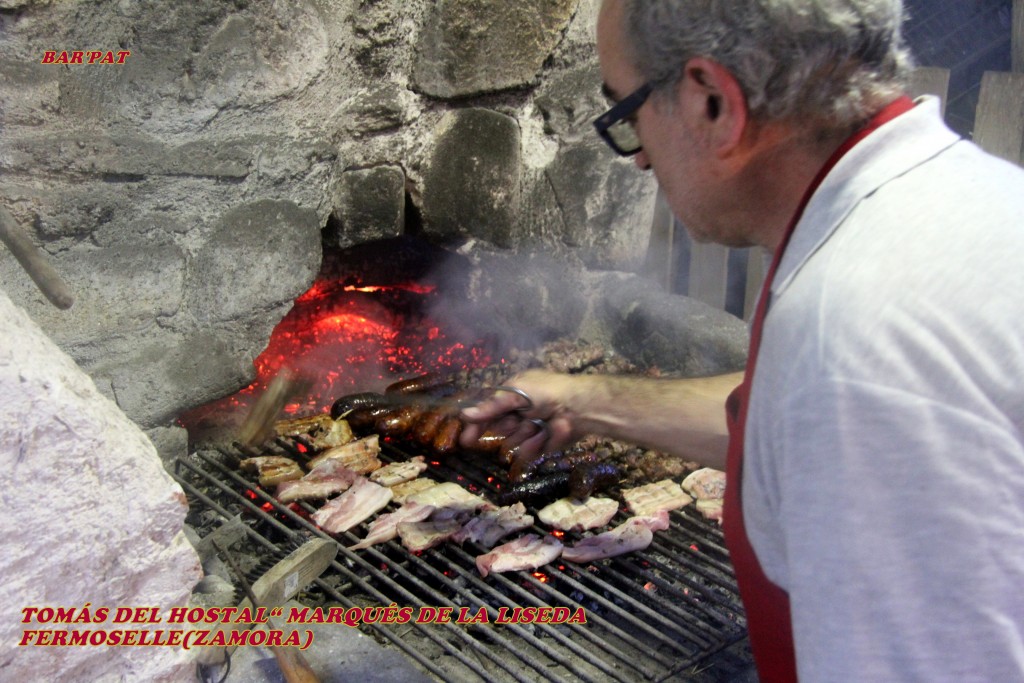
<point x="369" y="204"/>
<point x="228" y="277"/>
<point x="117" y="290"/>
<point x="607" y="205"/>
<point x="112" y="530"/>
<point x="472" y="185"/>
<point x="469" y="47"/>
<point x="675" y="333"/>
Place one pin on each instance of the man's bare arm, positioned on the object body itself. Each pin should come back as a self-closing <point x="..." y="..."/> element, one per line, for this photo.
<point x="685" y="417"/>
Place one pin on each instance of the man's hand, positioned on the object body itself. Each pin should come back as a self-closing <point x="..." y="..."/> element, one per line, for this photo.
<point x="533" y="422"/>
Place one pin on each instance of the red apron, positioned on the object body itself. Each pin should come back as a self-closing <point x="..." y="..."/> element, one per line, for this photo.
<point x="767" y="605"/>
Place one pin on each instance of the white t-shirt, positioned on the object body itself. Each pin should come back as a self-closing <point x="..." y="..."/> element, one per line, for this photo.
<point x="883" y="482"/>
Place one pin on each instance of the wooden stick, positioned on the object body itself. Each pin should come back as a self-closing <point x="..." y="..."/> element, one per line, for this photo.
<point x="35" y="262"/>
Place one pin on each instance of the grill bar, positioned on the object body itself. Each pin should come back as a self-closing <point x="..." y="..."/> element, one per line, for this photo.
<point x="632" y="632"/>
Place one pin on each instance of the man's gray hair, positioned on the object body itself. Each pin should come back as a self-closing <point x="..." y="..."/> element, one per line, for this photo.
<point x="834" y="62"/>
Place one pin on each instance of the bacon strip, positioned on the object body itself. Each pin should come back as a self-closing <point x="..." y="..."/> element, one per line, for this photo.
<point x="526" y="552"/>
<point x="636" y="533"/>
<point x="353" y="506"/>
<point x="491" y="526"/>
<point x="323" y="481"/>
<point x="385" y="527"/>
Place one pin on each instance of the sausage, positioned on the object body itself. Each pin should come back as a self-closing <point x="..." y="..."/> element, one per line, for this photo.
<point x="489" y="442"/>
<point x="366" y="399"/>
<point x="536" y="491"/>
<point x="397" y="422"/>
<point x="363" y="420"/>
<point x="417" y="385"/>
<point x="447" y="437"/>
<point x="591" y="478"/>
<point x="568" y="461"/>
<point x="523" y="467"/>
<point x="427" y="426"/>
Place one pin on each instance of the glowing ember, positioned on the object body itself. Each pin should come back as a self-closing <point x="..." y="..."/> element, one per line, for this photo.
<point x="349" y="338"/>
<point x="540" y="576"/>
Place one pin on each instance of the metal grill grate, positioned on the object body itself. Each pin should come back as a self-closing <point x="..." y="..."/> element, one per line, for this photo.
<point x="652" y="615"/>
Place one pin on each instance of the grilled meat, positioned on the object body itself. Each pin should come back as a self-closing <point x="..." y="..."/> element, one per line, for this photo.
<point x="363" y="499"/>
<point x="651" y="498"/>
<point x="569" y="514"/>
<point x="635" y="533"/>
<point x="526" y="552"/>
<point x="272" y="469"/>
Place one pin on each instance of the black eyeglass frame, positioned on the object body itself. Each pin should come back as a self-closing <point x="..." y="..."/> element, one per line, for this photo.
<point x="622" y="109"/>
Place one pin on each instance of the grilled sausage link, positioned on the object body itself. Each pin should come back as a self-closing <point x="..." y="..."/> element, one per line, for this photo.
<point x="590" y="478"/>
<point x="417" y="385"/>
<point x="365" y="399"/>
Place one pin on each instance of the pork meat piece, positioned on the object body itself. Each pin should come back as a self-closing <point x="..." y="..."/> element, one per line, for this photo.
<point x="569" y="514"/>
<point x="272" y="469"/>
<point x="399" y="472"/>
<point x="417" y="536"/>
<point x="405" y="489"/>
<point x="705" y="484"/>
<point x="325" y="480"/>
<point x="352" y="507"/>
<point x="651" y="498"/>
<point x="385" y="527"/>
<point x="526" y="552"/>
<point x="490" y="526"/>
<point x="360" y="455"/>
<point x="449" y="496"/>
<point x="635" y="533"/>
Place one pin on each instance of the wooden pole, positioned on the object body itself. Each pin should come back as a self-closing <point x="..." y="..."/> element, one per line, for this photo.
<point x="35" y="261"/>
<point x="1017" y="37"/>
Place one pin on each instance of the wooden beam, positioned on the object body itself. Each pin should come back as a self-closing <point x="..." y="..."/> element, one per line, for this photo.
<point x="1017" y="37"/>
<point x="999" y="122"/>
<point x="930" y="80"/>
<point x="709" y="273"/>
<point x="660" y="262"/>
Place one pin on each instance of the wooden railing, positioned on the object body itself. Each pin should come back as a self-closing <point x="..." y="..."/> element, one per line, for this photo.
<point x="998" y="129"/>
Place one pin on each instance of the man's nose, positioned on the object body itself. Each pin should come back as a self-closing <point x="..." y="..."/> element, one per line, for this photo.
<point x="641" y="160"/>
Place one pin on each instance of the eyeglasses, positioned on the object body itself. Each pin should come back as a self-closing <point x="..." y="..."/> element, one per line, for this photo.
<point x="616" y="126"/>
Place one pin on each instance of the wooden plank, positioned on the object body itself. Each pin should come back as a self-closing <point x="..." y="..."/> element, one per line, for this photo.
<point x="709" y="273"/>
<point x="930" y="80"/>
<point x="999" y="122"/>
<point x="660" y="263"/>
<point x="1017" y="37"/>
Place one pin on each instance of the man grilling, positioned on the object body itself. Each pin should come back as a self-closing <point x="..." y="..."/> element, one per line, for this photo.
<point x="874" y="448"/>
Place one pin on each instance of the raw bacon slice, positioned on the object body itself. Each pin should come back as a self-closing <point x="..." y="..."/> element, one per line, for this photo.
<point x="526" y="552"/>
<point x="708" y="487"/>
<point x="399" y="472"/>
<point x="272" y="469"/>
<point x="404" y="490"/>
<point x="651" y="498"/>
<point x="350" y="508"/>
<point x="360" y="456"/>
<point x="385" y="527"/>
<point x="569" y="514"/>
<point x="491" y="526"/>
<point x="328" y="478"/>
<point x="635" y="533"/>
<point x="418" y="536"/>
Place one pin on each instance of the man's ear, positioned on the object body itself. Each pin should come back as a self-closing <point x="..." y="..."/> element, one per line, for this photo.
<point x="721" y="103"/>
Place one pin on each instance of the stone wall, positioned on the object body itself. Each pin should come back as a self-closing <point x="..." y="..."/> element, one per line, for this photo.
<point x="184" y="194"/>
